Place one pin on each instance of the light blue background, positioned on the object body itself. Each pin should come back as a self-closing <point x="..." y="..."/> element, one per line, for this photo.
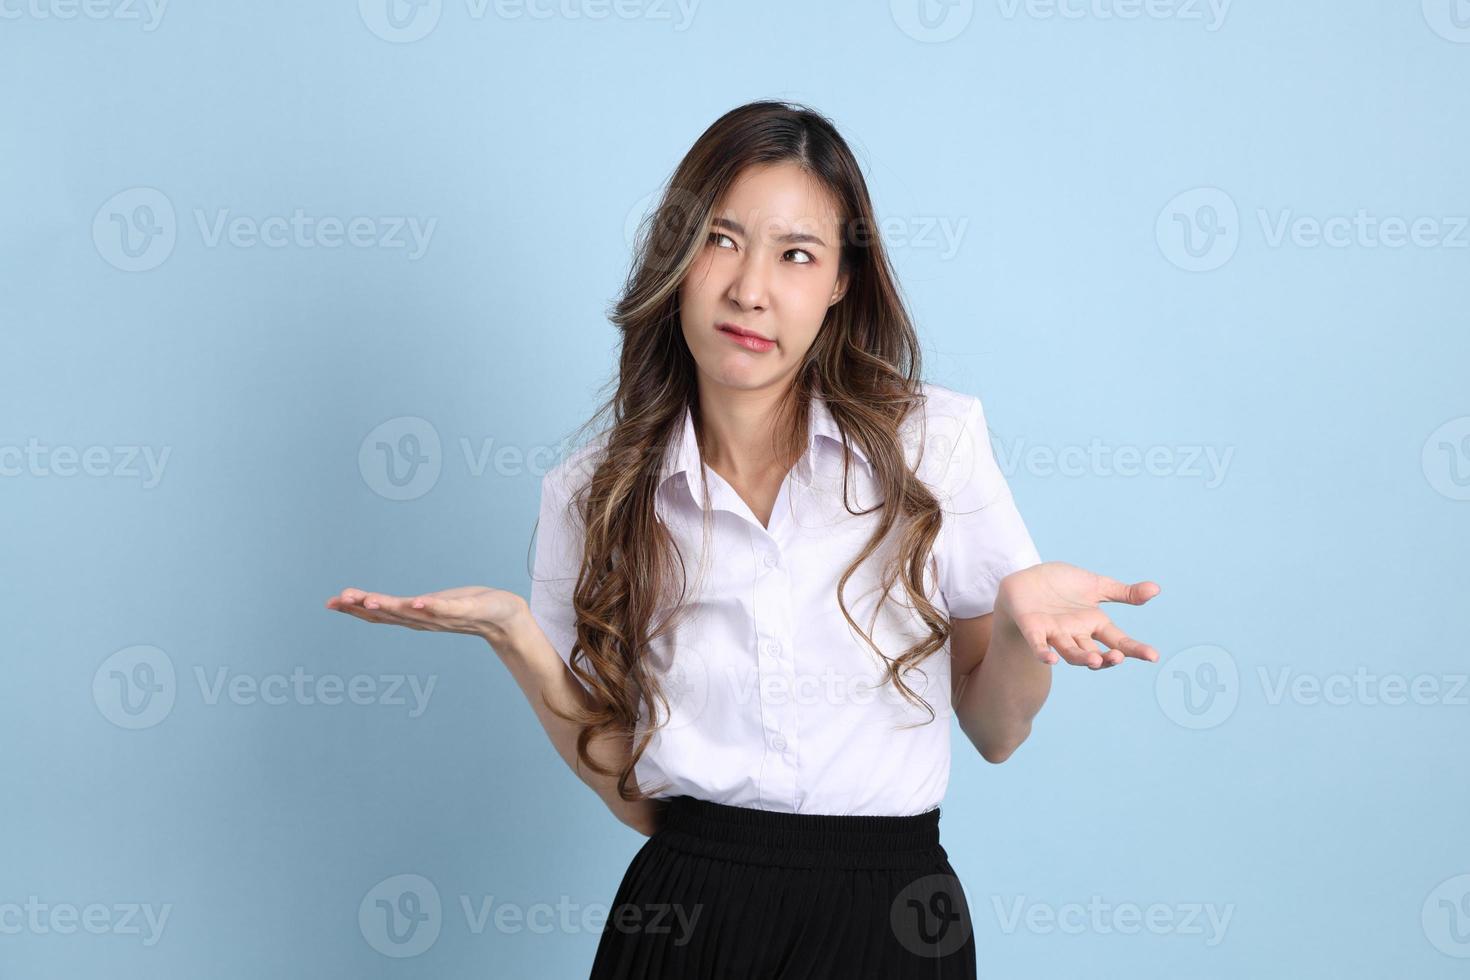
<point x="1332" y="542"/>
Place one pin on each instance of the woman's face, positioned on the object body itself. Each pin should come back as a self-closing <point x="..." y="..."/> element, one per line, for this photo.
<point x="768" y="266"/>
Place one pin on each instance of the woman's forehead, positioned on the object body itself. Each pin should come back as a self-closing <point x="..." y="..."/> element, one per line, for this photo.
<point x="777" y="199"/>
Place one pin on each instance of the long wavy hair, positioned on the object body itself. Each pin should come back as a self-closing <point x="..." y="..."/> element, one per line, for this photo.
<point x="865" y="363"/>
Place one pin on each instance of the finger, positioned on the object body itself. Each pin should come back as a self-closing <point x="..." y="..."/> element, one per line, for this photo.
<point x="399" y="611"/>
<point x="388" y="618"/>
<point x="1112" y="656"/>
<point x="1036" y="640"/>
<point x="1086" y="643"/>
<point x="1072" y="653"/>
<point x="381" y="600"/>
<point x="366" y="615"/>
<point x="1126" y="645"/>
<point x="1135" y="595"/>
<point x="432" y="605"/>
<point x="366" y="606"/>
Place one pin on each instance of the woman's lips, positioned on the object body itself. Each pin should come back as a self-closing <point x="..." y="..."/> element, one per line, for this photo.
<point x="747" y="340"/>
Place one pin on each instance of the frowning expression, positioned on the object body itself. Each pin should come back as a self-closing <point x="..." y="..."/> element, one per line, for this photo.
<point x="759" y="290"/>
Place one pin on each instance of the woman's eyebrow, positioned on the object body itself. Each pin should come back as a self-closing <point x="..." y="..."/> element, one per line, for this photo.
<point x="793" y="236"/>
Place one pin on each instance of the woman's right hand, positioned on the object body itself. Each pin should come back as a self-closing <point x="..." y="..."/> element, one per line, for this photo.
<point x="493" y="614"/>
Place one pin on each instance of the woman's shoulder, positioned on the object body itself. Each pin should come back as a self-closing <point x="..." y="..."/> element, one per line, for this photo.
<point x="936" y="433"/>
<point x="942" y="402"/>
<point x="576" y="468"/>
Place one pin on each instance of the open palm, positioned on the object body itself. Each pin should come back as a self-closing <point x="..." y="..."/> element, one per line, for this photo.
<point x="472" y="609"/>
<point x="1054" y="605"/>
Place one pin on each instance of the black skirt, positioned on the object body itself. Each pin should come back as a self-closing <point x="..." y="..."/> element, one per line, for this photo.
<point x="727" y="891"/>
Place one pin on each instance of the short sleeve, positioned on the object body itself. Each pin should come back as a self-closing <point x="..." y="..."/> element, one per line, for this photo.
<point x="983" y="538"/>
<point x="557" y="563"/>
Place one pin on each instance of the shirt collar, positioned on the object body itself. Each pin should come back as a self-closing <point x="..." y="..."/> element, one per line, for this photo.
<point x="683" y="452"/>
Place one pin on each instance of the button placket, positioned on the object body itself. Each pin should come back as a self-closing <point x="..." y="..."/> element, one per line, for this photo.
<point x="777" y="674"/>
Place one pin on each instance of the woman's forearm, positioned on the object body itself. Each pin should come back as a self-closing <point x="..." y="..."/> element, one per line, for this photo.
<point x="997" y="700"/>
<point x="534" y="663"/>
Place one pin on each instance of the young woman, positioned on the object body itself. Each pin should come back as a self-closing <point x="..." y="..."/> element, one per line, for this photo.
<point x="762" y="589"/>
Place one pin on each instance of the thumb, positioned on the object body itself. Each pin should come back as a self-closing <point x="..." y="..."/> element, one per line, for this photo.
<point x="1111" y="590"/>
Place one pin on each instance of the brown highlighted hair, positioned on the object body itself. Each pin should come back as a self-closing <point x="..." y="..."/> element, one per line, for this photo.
<point x="865" y="363"/>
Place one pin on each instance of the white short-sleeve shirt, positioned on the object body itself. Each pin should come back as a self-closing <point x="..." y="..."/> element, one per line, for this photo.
<point x="775" y="702"/>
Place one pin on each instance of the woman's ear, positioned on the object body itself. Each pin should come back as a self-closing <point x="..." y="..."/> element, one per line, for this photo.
<point x="839" y="290"/>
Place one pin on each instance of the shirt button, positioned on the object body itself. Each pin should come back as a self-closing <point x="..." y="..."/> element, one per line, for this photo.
<point x="773" y="648"/>
<point x="771" y="560"/>
<point x="779" y="743"/>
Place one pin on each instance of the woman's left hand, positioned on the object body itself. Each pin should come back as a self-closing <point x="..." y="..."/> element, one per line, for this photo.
<point x="1055" y="605"/>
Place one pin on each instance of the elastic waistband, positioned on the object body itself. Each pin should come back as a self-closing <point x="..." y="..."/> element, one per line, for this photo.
<point x="775" y="837"/>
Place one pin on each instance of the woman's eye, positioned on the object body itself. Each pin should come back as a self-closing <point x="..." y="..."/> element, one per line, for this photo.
<point x="807" y="257"/>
